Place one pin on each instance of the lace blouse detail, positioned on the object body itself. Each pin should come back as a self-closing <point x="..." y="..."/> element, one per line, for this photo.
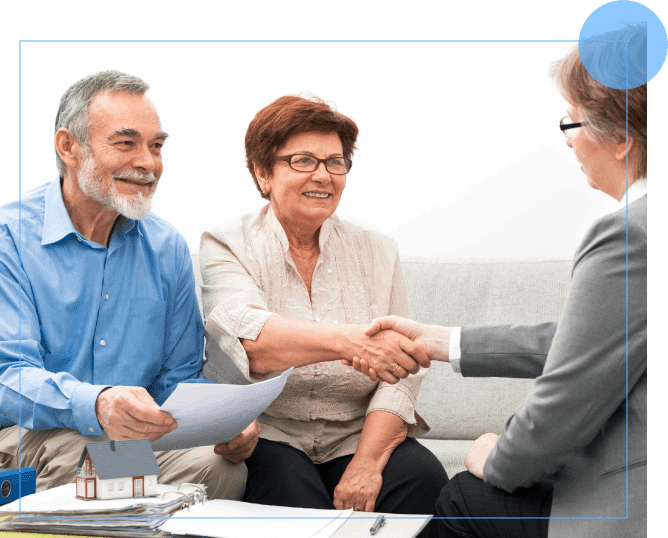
<point x="249" y="276"/>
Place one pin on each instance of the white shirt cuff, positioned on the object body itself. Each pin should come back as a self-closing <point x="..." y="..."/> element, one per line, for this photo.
<point x="455" y="351"/>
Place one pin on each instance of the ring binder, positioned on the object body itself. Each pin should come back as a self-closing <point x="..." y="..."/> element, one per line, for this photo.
<point x="200" y="487"/>
<point x="178" y="493"/>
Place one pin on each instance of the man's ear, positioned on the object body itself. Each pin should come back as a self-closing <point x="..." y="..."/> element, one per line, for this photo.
<point x="68" y="148"/>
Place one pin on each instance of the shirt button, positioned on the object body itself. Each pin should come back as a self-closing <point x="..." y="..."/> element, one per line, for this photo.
<point x="90" y="429"/>
<point x="106" y="296"/>
<point x="329" y="270"/>
<point x="103" y="343"/>
<point x="317" y="320"/>
<point x="336" y="322"/>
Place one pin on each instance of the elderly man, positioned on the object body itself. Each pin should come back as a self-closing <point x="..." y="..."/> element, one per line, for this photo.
<point x="100" y="318"/>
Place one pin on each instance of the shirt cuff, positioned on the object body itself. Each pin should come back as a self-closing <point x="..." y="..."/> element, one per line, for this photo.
<point x="84" y="398"/>
<point x="455" y="351"/>
<point x="252" y="323"/>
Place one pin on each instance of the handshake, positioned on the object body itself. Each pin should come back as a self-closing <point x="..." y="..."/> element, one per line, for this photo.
<point x="391" y="348"/>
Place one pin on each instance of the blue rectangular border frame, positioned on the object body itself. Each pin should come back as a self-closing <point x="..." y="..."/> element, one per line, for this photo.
<point x="346" y="41"/>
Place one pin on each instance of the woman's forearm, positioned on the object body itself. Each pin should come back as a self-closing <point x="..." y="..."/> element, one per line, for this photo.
<point x="285" y="342"/>
<point x="381" y="434"/>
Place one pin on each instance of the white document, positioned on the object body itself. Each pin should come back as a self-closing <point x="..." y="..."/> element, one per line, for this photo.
<point x="234" y="519"/>
<point x="213" y="414"/>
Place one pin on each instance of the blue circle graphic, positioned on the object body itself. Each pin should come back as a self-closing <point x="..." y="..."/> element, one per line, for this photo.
<point x="623" y="44"/>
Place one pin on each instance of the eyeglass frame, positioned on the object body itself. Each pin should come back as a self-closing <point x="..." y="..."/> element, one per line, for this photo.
<point x="287" y="159"/>
<point x="566" y="126"/>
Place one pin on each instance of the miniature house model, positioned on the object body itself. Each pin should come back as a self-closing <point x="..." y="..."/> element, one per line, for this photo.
<point x="115" y="469"/>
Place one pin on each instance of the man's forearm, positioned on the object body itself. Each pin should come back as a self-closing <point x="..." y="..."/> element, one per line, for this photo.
<point x="48" y="400"/>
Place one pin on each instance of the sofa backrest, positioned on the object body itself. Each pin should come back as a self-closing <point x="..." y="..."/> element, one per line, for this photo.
<point x="475" y="291"/>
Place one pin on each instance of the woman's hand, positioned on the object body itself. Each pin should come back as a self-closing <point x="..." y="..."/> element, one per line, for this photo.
<point x="389" y="354"/>
<point x="359" y="487"/>
<point x="241" y="447"/>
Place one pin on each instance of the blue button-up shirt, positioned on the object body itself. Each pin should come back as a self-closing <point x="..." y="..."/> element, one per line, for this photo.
<point x="90" y="316"/>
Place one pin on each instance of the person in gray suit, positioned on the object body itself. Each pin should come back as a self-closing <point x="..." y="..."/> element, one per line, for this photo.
<point x="572" y="460"/>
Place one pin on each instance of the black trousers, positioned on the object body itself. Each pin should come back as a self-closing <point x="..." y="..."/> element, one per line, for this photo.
<point x="468" y="497"/>
<point x="284" y="476"/>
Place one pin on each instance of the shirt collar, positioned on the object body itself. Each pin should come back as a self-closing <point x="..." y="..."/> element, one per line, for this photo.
<point x="57" y="222"/>
<point x="637" y="190"/>
<point x="277" y="228"/>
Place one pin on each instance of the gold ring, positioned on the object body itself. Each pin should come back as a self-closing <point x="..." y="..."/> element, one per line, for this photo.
<point x="396" y="367"/>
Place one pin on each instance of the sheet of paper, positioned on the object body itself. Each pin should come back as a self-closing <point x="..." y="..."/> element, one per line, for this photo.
<point x="328" y="530"/>
<point x="213" y="414"/>
<point x="245" y="519"/>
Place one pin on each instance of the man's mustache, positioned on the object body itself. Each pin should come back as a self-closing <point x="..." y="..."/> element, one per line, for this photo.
<point x="138" y="176"/>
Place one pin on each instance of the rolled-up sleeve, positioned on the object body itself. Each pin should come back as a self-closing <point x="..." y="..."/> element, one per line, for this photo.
<point x="400" y="398"/>
<point x="234" y="307"/>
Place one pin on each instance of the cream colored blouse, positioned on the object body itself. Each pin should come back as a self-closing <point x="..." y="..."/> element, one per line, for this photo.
<point x="249" y="276"/>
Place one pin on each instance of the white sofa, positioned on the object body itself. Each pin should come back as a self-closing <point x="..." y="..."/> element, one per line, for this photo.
<point x="474" y="291"/>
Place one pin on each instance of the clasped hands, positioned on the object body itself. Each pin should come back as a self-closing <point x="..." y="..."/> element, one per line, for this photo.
<point x="130" y="413"/>
<point x="397" y="347"/>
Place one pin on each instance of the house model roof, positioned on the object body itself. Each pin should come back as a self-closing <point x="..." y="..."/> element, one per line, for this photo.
<point x="118" y="459"/>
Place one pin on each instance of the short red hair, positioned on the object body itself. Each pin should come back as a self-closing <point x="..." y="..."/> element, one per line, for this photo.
<point x="288" y="116"/>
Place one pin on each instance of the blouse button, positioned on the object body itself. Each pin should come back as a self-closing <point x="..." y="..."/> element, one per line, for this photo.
<point x="103" y="343"/>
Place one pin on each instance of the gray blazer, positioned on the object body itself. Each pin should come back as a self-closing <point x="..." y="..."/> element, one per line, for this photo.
<point x="571" y="430"/>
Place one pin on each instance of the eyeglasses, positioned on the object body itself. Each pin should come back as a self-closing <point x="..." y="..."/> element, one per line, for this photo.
<point x="302" y="162"/>
<point x="566" y="124"/>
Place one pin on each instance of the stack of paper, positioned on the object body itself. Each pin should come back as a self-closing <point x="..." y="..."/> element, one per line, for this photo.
<point x="58" y="510"/>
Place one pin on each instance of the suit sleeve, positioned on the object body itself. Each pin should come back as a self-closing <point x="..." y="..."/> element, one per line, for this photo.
<point x="506" y="350"/>
<point x="584" y="379"/>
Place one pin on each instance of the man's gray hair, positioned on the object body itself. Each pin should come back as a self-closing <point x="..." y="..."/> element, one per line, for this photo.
<point x="73" y="110"/>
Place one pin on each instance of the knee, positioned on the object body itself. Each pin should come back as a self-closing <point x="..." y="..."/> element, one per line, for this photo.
<point x="452" y="496"/>
<point x="224" y="480"/>
<point x="422" y="468"/>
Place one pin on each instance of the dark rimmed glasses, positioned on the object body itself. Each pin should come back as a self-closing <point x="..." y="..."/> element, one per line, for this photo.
<point x="302" y="162"/>
<point x="566" y="124"/>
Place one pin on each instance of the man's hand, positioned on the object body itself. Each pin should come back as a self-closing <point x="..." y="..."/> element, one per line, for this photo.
<point x="434" y="340"/>
<point x="242" y="446"/>
<point x="358" y="488"/>
<point x="130" y="413"/>
<point x="389" y="354"/>
<point x="477" y="456"/>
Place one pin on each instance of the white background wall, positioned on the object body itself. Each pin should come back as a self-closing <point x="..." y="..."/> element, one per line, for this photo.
<point x="459" y="154"/>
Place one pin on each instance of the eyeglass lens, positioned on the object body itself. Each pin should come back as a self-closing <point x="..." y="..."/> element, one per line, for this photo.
<point x="565" y="121"/>
<point x="307" y="163"/>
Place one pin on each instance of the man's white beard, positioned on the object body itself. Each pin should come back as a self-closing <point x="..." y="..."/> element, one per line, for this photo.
<point x="94" y="186"/>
